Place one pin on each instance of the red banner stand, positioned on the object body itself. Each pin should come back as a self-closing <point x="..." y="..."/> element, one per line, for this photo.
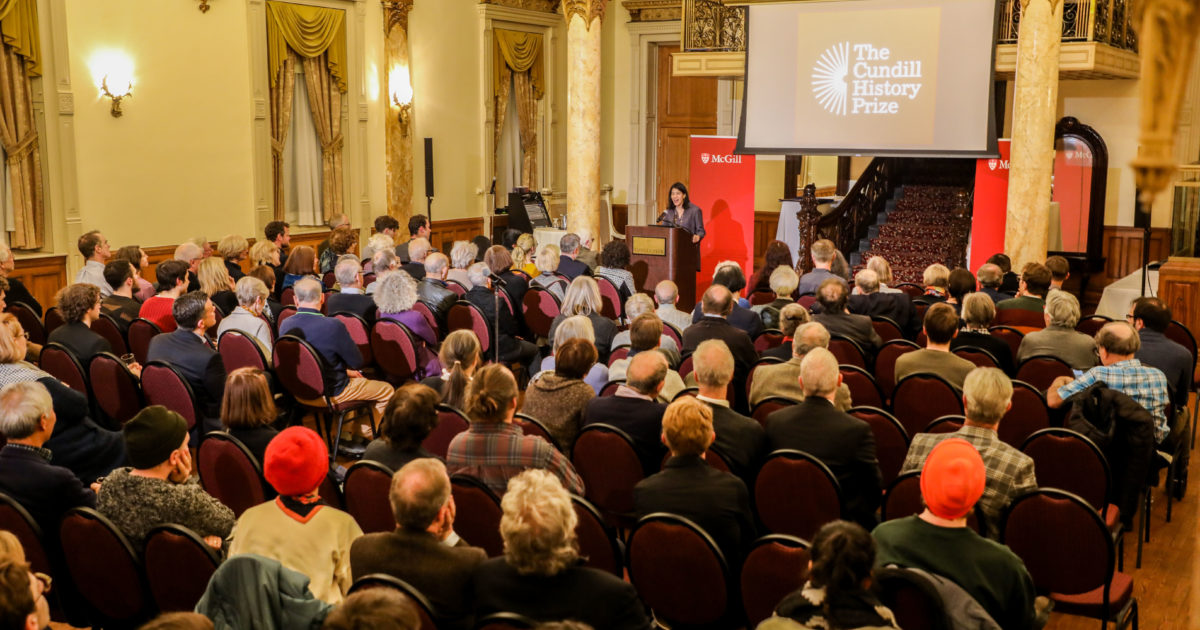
<point x="722" y="184"/>
<point x="990" y="212"/>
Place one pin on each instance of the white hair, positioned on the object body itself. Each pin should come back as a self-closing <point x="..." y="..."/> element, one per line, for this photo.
<point x="249" y="289"/>
<point x="463" y="253"/>
<point x="22" y="406"/>
<point x="574" y="327"/>
<point x="347" y="271"/>
<point x="478" y="274"/>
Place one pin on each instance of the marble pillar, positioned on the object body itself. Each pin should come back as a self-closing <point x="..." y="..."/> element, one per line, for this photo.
<point x="583" y="115"/>
<point x="1035" y="105"/>
<point x="398" y="131"/>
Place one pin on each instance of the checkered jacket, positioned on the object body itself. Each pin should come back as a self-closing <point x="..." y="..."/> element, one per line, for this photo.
<point x="1145" y="385"/>
<point x="495" y="453"/>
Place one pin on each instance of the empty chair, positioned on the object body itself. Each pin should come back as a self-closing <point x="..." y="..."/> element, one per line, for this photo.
<point x="478" y="519"/>
<point x="891" y="440"/>
<point x="1040" y="371"/>
<point x="394" y="350"/>
<point x="863" y="388"/>
<point x="1069" y="461"/>
<point x="229" y="472"/>
<point x="597" y="541"/>
<point x="885" y="363"/>
<point x="1008" y="335"/>
<point x="301" y="371"/>
<point x="104" y="568"/>
<point x="540" y="308"/>
<point x="465" y="315"/>
<point x="239" y="350"/>
<point x="360" y="332"/>
<point x="61" y="363"/>
<point x="767" y="339"/>
<point x="1092" y="324"/>
<point x="1021" y="319"/>
<point x="678" y="571"/>
<point x="420" y="602"/>
<point x="16" y="519"/>
<point x="886" y="328"/>
<point x="604" y="456"/>
<point x="117" y="391"/>
<point x="451" y="422"/>
<point x="610" y="298"/>
<point x="774" y="567"/>
<point x="367" y="490"/>
<point x="762" y="296"/>
<point x="1028" y="414"/>
<point x="107" y="327"/>
<point x="29" y="320"/>
<point x="178" y="567"/>
<point x="922" y="398"/>
<point x="164" y="385"/>
<point x="902" y="497"/>
<point x="795" y="493"/>
<point x="141" y="331"/>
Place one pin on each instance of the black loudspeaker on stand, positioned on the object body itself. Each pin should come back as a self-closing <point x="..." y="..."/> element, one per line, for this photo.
<point x="429" y="177"/>
<point x="1141" y="219"/>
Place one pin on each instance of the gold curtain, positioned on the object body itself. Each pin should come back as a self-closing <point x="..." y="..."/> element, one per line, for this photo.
<point x="283" y="87"/>
<point x="527" y="116"/>
<point x="325" y="99"/>
<point x="19" y="60"/>
<point x="518" y="65"/>
<point x="19" y="29"/>
<point x="310" y="31"/>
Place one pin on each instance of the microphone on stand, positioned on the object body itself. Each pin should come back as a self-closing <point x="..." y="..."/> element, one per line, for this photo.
<point x="497" y="279"/>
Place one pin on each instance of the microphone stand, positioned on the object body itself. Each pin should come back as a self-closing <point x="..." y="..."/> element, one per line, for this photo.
<point x="498" y="285"/>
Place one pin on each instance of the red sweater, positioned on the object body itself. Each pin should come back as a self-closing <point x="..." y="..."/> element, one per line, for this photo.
<point x="158" y="310"/>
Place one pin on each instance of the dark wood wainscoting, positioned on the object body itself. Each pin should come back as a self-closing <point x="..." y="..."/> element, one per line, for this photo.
<point x="42" y="275"/>
<point x="444" y="233"/>
<point x="765" y="224"/>
<point x="1122" y="250"/>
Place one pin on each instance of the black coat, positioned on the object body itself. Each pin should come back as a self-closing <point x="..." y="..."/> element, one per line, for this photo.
<point x="199" y="364"/>
<point x="1124" y="431"/>
<point x="591" y="596"/>
<point x="360" y="304"/>
<point x="640" y="418"/>
<point x="18" y="293"/>
<point x="895" y="306"/>
<point x="414" y="269"/>
<point x="438" y="298"/>
<point x="80" y="340"/>
<point x="45" y="490"/>
<point x="572" y="268"/>
<point x="740" y="440"/>
<point x="743" y="318"/>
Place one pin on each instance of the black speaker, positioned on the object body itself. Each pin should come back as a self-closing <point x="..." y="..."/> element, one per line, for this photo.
<point x="428" y="167"/>
<point x="1141" y="211"/>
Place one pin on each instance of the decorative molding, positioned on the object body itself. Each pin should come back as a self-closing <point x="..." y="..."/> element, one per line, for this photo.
<point x="708" y="64"/>
<point x="66" y="103"/>
<point x="543" y="6"/>
<point x="1078" y="60"/>
<point x="709" y="25"/>
<point x="395" y="13"/>
<point x="589" y="10"/>
<point x="654" y="10"/>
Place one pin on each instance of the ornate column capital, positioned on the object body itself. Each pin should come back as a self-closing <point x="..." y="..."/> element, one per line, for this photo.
<point x="589" y="10"/>
<point x="395" y="12"/>
<point x="1053" y="4"/>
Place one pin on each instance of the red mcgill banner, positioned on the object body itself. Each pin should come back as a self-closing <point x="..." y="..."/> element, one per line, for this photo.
<point x="991" y="207"/>
<point x="722" y="184"/>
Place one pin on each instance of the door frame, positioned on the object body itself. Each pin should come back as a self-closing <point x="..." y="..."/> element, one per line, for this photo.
<point x="645" y="38"/>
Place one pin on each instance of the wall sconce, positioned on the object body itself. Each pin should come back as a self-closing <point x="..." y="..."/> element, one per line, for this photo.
<point x="116" y="97"/>
<point x="112" y="72"/>
<point x="400" y="88"/>
<point x="204" y="6"/>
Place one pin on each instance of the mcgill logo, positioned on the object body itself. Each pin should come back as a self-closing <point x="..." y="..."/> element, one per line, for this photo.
<point x="720" y="159"/>
<point x="1001" y="164"/>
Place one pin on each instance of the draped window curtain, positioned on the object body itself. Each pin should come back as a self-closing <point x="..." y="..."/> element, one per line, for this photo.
<point x="20" y="61"/>
<point x="519" y="67"/>
<point x="302" y="162"/>
<point x="314" y="37"/>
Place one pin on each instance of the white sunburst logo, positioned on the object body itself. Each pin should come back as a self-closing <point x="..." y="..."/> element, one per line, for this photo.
<point x="829" y="78"/>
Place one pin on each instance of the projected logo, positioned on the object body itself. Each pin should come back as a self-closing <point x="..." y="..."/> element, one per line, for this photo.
<point x="829" y="78"/>
<point x="864" y="79"/>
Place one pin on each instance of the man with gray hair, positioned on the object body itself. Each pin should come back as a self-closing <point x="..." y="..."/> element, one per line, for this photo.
<point x="842" y="442"/>
<point x="781" y="380"/>
<point x="382" y="263"/>
<point x="741" y="441"/>
<point x="823" y="252"/>
<point x="350" y="297"/>
<point x="481" y="294"/>
<point x="16" y="291"/>
<point x="587" y="254"/>
<point x="633" y="408"/>
<point x="423" y="550"/>
<point x="567" y="265"/>
<point x="716" y="306"/>
<point x="193" y="255"/>
<point x="783" y="283"/>
<point x="418" y="249"/>
<point x="47" y="491"/>
<point x="433" y="291"/>
<point x="1059" y="338"/>
<point x="990" y="278"/>
<point x="666" y="295"/>
<point x="866" y="299"/>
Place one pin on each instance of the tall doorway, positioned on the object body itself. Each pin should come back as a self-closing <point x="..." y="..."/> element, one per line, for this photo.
<point x="686" y="106"/>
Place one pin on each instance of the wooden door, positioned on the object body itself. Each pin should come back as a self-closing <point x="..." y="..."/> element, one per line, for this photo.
<point x="686" y="106"/>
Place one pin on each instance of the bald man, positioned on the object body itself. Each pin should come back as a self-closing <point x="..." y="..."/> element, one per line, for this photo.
<point x="634" y="410"/>
<point x="715" y="307"/>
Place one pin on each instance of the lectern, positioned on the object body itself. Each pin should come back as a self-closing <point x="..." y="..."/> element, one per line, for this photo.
<point x="663" y="253"/>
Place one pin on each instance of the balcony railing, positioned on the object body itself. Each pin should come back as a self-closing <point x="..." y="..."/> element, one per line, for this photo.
<point x="1100" y="21"/>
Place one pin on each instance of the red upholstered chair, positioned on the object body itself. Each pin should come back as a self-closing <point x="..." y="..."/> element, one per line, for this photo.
<point x="807" y="300"/>
<point x="921" y="305"/>
<point x="420" y="602"/>
<point x="886" y="328"/>
<point x="885" y="363"/>
<point x="618" y="353"/>
<point x="532" y="426"/>
<point x="239" y="350"/>
<point x="230" y="473"/>
<point x="451" y="422"/>
<point x="178" y="565"/>
<point x="922" y="398"/>
<point x="505" y="621"/>
<point x="610" y="299"/>
<point x="678" y="571"/>
<point x="16" y="519"/>
<point x="457" y="287"/>
<point x="367" y="488"/>
<point x="29" y="320"/>
<point x="978" y="356"/>
<point x="164" y="385"/>
<point x="118" y="392"/>
<point x="767" y="339"/>
<point x="1028" y="414"/>
<point x="769" y="406"/>
<point x="466" y="316"/>
<point x="945" y="424"/>
<point x="863" y="388"/>
<point x="762" y="296"/>
<point x="328" y="280"/>
<point x="1069" y="553"/>
<point x="287" y="311"/>
<point x="1008" y="335"/>
<point x="1069" y="461"/>
<point x="360" y="333"/>
<point x="478" y="519"/>
<point x="1092" y="324"/>
<point x="686" y="366"/>
<point x="776" y="566"/>
<point x="1041" y="370"/>
<point x="107" y="327"/>
<point x="902" y="497"/>
<point x="847" y="351"/>
<point x="331" y="492"/>
<point x="912" y="598"/>
<point x="141" y="331"/>
<point x="394" y="350"/>
<point x="540" y="307"/>
<point x="674" y="333"/>
<point x="597" y="541"/>
<point x="287" y="297"/>
<point x="910" y="289"/>
<point x="301" y="371"/>
<point x="61" y="363"/>
<point x="427" y="313"/>
<point x="1023" y="320"/>
<point x="610" y="387"/>
<point x="53" y="319"/>
<point x="795" y="493"/>
<point x="891" y="440"/>
<point x="604" y="456"/>
<point x="104" y="569"/>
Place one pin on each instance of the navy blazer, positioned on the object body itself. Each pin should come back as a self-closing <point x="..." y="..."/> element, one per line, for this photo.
<point x="740" y="317"/>
<point x="572" y="268"/>
<point x="198" y="362"/>
<point x="360" y="304"/>
<point x="329" y="337"/>
<point x="45" y="490"/>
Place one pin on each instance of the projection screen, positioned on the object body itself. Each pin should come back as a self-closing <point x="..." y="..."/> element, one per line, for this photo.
<point x="874" y="77"/>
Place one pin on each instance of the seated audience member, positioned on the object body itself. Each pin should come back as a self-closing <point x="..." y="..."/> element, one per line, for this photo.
<point x="298" y="528"/>
<point x="79" y="305"/>
<point x="583" y="298"/>
<point x="206" y="248"/>
<point x="840" y="267"/>
<point x="329" y="338"/>
<point x="512" y="348"/>
<point x="462" y="255"/>
<point x="557" y="398"/>
<point x="374" y="609"/>
<point x="279" y="233"/>
<point x="778" y="254"/>
<point x="22" y="603"/>
<point x="423" y="550"/>
<point x="741" y="441"/>
<point x="637" y="305"/>
<point x="375" y="243"/>
<point x="960" y="283"/>
<point x="832" y="297"/>
<point x="300" y="263"/>
<point x="791" y="317"/>
<point x="248" y="410"/>
<point x="266" y="253"/>
<point x="716" y="306"/>
<point x="385" y="226"/>
<point x="883" y="271"/>
<point x="822" y="253"/>
<point x="460" y="357"/>
<point x="190" y="254"/>
<point x="248" y="316"/>
<point x="782" y="380"/>
<point x="939" y="541"/>
<point x="1060" y="270"/>
<point x="234" y="249"/>
<point x="179" y="621"/>
<point x="418" y="249"/>
<point x="687" y="486"/>
<point x="343" y="240"/>
<point x="541" y="574"/>
<point x="271" y="308"/>
<point x="837" y="592"/>
<point x="635" y="408"/>
<point x="587" y="255"/>
<point x="350" y="297"/>
<point x="77" y="442"/>
<point x="493" y="449"/>
<point x="383" y="263"/>
<point x="729" y="275"/>
<point x="569" y="245"/>
<point x="216" y="282"/>
<point x="783" y="282"/>
<point x="666" y="295"/>
<point x="987" y="395"/>
<point x="16" y="291"/>
<point x="1118" y="343"/>
<point x="1031" y="293"/>
<point x="27" y="475"/>
<point x="978" y="310"/>
<point x="578" y="327"/>
<point x="1059" y="338"/>
<point x="842" y="442"/>
<point x="433" y="291"/>
<point x="159" y="487"/>
<point x="1151" y="318"/>
<point x="547" y="277"/>
<point x="1009" y="280"/>
<point x="121" y="306"/>
<point x="418" y="227"/>
<point x="868" y="299"/>
<point x="95" y="250"/>
<point x="524" y="250"/>
<point x="941" y="325"/>
<point x="936" y="279"/>
<point x="500" y="263"/>
<point x="410" y="417"/>
<point x="614" y="267"/>
<point x="189" y="351"/>
<point x="172" y="283"/>
<point x="990" y="279"/>
<point x="642" y="338"/>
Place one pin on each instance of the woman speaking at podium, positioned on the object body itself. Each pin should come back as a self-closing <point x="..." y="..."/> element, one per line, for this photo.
<point x="684" y="214"/>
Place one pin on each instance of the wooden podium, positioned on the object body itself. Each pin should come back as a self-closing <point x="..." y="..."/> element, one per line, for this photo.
<point x="663" y="253"/>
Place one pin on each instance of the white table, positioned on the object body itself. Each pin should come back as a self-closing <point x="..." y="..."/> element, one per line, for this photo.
<point x="1115" y="300"/>
<point x="548" y="236"/>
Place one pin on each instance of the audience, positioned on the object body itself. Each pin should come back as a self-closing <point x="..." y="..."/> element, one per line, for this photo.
<point x="1031" y="293"/>
<point x="172" y="283"/>
<point x="278" y="233"/>
<point x="637" y="305"/>
<point x="418" y="249"/>
<point x="978" y="310"/>
<point x="883" y="271"/>
<point x="424" y="551"/>
<point x="614" y="267"/>
<point x="298" y="528"/>
<point x="500" y="263"/>
<point x="248" y="410"/>
<point x="645" y="334"/>
<point x="987" y="396"/>
<point x="418" y="227"/>
<point x="936" y="279"/>
<point x="385" y="228"/>
<point x="741" y="441"/>
<point x="587" y="255"/>
<point x="579" y="327"/>
<point x="558" y="398"/>
<point x="832" y="297"/>
<point x="22" y="604"/>
<point x="634" y="408"/>
<point x="135" y="256"/>
<point x="121" y="305"/>
<point x="791" y="317"/>
<point x="547" y="261"/>
<point x="1009" y="280"/>
<point x="778" y="254"/>
<point x="189" y="351"/>
<point x="462" y="255"/>
<point x="583" y="298"/>
<point x="16" y="289"/>
<point x="248" y="318"/>
<point x="95" y="250"/>
<point x="781" y="380"/>
<point x="433" y="290"/>
<point x="568" y="267"/>
<point x="729" y="275"/>
<point x="541" y="575"/>
<point x="869" y="299"/>
<point x="666" y="296"/>
<point x="300" y="263"/>
<point x="460" y="357"/>
<point x="374" y="609"/>
<point x="272" y="307"/>
<point x="1060" y="270"/>
<point x="384" y="262"/>
<point x="783" y="283"/>
<point x="523" y="253"/>
<point x="513" y="349"/>
<point x="822" y="253"/>
<point x="990" y="279"/>
<point x="350" y="297"/>
<point x="217" y="284"/>
<point x="716" y="306"/>
<point x="1151" y="318"/>
<point x="159" y="487"/>
<point x="1059" y="338"/>
<point x="234" y="249"/>
<point x="410" y="417"/>
<point x="79" y="305"/>
<point x="343" y="240"/>
<point x="190" y="254"/>
<point x="941" y="325"/>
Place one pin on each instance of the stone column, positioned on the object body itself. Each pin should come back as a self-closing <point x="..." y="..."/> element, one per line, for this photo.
<point x="1035" y="105"/>
<point x="398" y="131"/>
<point x="583" y="114"/>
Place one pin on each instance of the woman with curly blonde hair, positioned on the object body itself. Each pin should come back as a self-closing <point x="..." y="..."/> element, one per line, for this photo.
<point x="583" y="298"/>
<point x="395" y="296"/>
<point x="523" y="255"/>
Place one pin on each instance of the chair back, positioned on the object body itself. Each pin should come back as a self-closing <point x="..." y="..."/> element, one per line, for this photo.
<point x="678" y="570"/>
<point x="118" y="392"/>
<point x="420" y="602"/>
<point x="610" y="299"/>
<point x="891" y="440"/>
<point x="767" y="339"/>
<point x="604" y="456"/>
<point x="795" y="493"/>
<point x="451" y="422"/>
<point x="1062" y="540"/>
<point x="287" y="297"/>
<point x="299" y="368"/>
<point x="505" y="621"/>
<point x="367" y="489"/>
<point x="671" y="331"/>
<point x="29" y="320"/>
<point x="1041" y="370"/>
<point x="762" y="296"/>
<point x="331" y="492"/>
<point x="776" y="566"/>
<point x="1092" y="324"/>
<point x="863" y="388"/>
<point x="230" y="472"/>
<point x="394" y="350"/>
<point x="104" y="567"/>
<point x="757" y="364"/>
<point x="164" y="385"/>
<point x="610" y="388"/>
<point x="920" y="305"/>
<point x="53" y="319"/>
<point x="769" y="406"/>
<point x="466" y="316"/>
<point x="532" y="426"/>
<point x="478" y="520"/>
<point x="239" y="350"/>
<point x="886" y="328"/>
<point x="885" y="363"/>
<point x="179" y="565"/>
<point x="1008" y="335"/>
<point x="945" y="424"/>
<point x="686" y="366"/>
<point x="107" y="327"/>
<point x="902" y="497"/>
<point x="847" y="351"/>
<point x="1069" y="461"/>
<point x="457" y="287"/>
<point x="1028" y="414"/>
<point x="597" y="541"/>
<point x="61" y="363"/>
<point x="16" y="519"/>
<point x="540" y="307"/>
<point x="807" y="300"/>
<point x="1180" y="334"/>
<point x="912" y="598"/>
<point x="910" y="289"/>
<point x="922" y="398"/>
<point x="287" y="311"/>
<point x="141" y="331"/>
<point x="427" y="313"/>
<point x="1021" y="319"/>
<point x="618" y="353"/>
<point x="360" y="333"/>
<point x="979" y="356"/>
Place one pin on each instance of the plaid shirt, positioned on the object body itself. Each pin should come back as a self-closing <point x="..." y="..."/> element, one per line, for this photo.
<point x="1009" y="471"/>
<point x="495" y="453"/>
<point x="1145" y="385"/>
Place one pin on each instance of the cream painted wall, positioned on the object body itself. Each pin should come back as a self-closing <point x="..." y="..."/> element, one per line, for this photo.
<point x="768" y="182"/>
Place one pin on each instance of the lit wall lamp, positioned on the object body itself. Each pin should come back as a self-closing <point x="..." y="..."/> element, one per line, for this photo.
<point x="112" y="72"/>
<point x="117" y="96"/>
<point x="400" y="87"/>
<point x="204" y="6"/>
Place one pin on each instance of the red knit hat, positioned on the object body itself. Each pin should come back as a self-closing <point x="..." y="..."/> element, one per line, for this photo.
<point x="296" y="461"/>
<point x="953" y="479"/>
